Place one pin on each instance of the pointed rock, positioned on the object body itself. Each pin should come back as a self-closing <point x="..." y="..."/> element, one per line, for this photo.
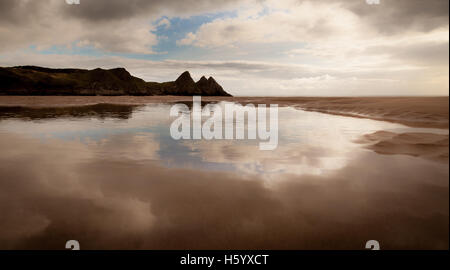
<point x="202" y="84"/>
<point x="185" y="77"/>
<point x="209" y="87"/>
<point x="202" y="80"/>
<point x="186" y="85"/>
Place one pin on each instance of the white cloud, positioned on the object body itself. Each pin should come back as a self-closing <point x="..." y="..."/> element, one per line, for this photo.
<point x="164" y="22"/>
<point x="188" y="40"/>
<point x="297" y="22"/>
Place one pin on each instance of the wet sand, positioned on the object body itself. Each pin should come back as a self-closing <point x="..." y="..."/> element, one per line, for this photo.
<point x="424" y="145"/>
<point x="48" y="196"/>
<point x="53" y="190"/>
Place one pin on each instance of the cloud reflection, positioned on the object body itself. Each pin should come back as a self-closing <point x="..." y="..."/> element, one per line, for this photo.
<point x="55" y="191"/>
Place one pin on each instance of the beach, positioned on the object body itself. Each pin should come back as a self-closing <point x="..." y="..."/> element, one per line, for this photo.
<point x="104" y="171"/>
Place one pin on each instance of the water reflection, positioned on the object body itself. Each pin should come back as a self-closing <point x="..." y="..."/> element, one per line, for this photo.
<point x="100" y="111"/>
<point x="122" y="182"/>
<point x="309" y="142"/>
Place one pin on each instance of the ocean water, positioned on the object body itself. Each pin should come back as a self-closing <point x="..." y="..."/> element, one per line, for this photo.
<point x="112" y="177"/>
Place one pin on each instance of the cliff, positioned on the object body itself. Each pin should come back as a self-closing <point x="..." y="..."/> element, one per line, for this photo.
<point x="32" y="80"/>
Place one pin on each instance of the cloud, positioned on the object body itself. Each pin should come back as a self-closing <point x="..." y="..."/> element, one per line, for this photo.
<point x="351" y="36"/>
<point x="44" y="25"/>
<point x="188" y="40"/>
<point x="109" y="10"/>
<point x="426" y="53"/>
<point x="399" y="16"/>
<point x="303" y="22"/>
<point x="264" y="46"/>
<point x="324" y="22"/>
<point x="109" y="25"/>
<point x="164" y="23"/>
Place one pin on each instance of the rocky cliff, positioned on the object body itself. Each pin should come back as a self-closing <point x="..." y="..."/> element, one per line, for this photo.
<point x="32" y="80"/>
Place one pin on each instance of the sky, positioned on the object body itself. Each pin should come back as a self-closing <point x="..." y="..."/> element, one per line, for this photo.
<point x="251" y="47"/>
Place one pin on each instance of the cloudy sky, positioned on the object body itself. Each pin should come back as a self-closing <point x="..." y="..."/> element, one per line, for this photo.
<point x="251" y="47"/>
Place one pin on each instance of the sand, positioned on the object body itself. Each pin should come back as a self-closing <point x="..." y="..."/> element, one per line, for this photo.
<point x="398" y="197"/>
<point x="424" y="145"/>
<point x="48" y="196"/>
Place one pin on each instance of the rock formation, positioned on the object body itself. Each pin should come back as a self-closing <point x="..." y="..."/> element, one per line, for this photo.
<point x="32" y="80"/>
